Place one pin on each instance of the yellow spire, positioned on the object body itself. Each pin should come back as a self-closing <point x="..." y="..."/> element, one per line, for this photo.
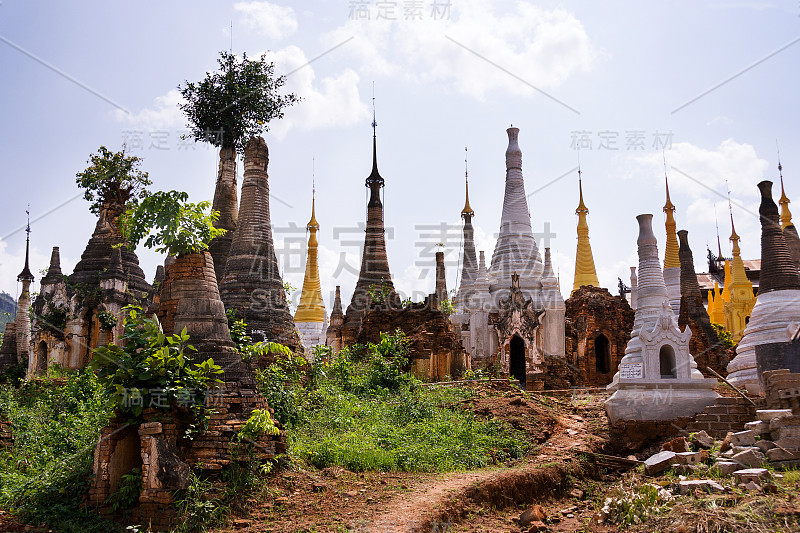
<point x="467" y="211"/>
<point x="740" y="290"/>
<point x="726" y="295"/>
<point x="311" y="307"/>
<point x="585" y="272"/>
<point x="671" y="259"/>
<point x="717" y="314"/>
<point x="786" y="215"/>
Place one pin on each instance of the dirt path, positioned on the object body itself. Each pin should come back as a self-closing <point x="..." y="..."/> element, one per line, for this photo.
<point x="410" y="512"/>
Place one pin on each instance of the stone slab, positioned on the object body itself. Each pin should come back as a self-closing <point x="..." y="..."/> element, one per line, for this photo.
<point x="769" y="414"/>
<point x="706" y="485"/>
<point x="727" y="468"/>
<point x="743" y="438"/>
<point x="752" y="458"/>
<point x="659" y="462"/>
<point x="759" y="427"/>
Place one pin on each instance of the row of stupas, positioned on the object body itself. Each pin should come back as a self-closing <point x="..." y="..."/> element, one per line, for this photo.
<point x="509" y="312"/>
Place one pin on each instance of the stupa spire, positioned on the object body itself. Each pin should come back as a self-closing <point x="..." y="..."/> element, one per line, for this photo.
<point x="310" y="315"/>
<point x="226" y="203"/>
<point x="26" y="271"/>
<point x="252" y="284"/>
<point x="671" y="257"/>
<point x="585" y="271"/>
<point x="469" y="261"/>
<point x="516" y="250"/>
<point x="374" y="262"/>
<point x="311" y="307"/>
<point x="467" y="211"/>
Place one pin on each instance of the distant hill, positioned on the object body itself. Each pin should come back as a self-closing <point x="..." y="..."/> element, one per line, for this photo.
<point x="8" y="310"/>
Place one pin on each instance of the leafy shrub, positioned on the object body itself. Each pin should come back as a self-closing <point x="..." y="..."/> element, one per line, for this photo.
<point x="260" y="423"/>
<point x="127" y="494"/>
<point x="723" y="334"/>
<point x="152" y="369"/>
<point x="14" y="374"/>
<point x="107" y="320"/>
<point x="282" y="385"/>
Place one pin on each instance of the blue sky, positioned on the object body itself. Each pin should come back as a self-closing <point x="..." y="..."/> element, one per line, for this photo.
<point x="715" y="82"/>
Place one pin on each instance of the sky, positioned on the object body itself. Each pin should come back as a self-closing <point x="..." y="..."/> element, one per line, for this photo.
<point x="705" y="91"/>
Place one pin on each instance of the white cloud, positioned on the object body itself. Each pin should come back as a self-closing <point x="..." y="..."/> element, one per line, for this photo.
<point x="331" y="101"/>
<point x="271" y="20"/>
<point x="164" y="115"/>
<point x="543" y="47"/>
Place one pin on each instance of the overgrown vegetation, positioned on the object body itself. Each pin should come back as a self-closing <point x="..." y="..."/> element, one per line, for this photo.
<point x="44" y="475"/>
<point x="360" y="409"/>
<point x="112" y="179"/>
<point x="170" y="224"/>
<point x="152" y="369"/>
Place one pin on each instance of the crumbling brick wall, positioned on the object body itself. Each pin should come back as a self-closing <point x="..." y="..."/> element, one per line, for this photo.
<point x="435" y="350"/>
<point x="598" y="326"/>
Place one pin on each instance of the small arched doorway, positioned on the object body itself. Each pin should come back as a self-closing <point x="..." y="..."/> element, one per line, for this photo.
<point x="602" y="354"/>
<point x="666" y="360"/>
<point x="41" y="358"/>
<point x="517" y="359"/>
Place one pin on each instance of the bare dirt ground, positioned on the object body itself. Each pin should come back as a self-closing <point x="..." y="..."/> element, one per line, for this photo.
<point x="490" y="499"/>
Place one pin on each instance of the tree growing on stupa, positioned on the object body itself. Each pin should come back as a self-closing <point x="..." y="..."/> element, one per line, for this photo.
<point x="113" y="180"/>
<point x="226" y="109"/>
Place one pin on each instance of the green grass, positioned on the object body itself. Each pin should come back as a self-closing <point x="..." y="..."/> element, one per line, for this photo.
<point x="361" y="412"/>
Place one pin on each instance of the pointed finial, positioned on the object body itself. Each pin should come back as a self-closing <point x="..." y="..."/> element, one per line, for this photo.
<point x="669" y="205"/>
<point x="581" y="206"/>
<point x="26" y="271"/>
<point x="374" y="120"/>
<point x="786" y="215"/>
<point x="467" y="211"/>
<point x="716" y="224"/>
<point x="313" y="225"/>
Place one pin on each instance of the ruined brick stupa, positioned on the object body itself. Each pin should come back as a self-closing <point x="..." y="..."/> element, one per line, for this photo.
<point x="704" y="343"/>
<point x="658" y="377"/>
<point x="374" y="274"/>
<point x="777" y="309"/>
<point x="252" y="284"/>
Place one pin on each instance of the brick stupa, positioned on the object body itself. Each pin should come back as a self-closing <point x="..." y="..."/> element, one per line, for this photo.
<point x="777" y="305"/>
<point x="225" y="202"/>
<point x="704" y="344"/>
<point x="374" y="273"/>
<point x="252" y="285"/>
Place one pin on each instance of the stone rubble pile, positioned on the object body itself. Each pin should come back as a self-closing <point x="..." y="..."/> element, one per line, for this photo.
<point x="771" y="441"/>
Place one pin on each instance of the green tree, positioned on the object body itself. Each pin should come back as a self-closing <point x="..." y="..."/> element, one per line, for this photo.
<point x="112" y="180"/>
<point x="170" y="224"/>
<point x="235" y="103"/>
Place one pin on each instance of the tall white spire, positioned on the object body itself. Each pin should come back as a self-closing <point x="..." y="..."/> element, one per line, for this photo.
<point x="516" y="250"/>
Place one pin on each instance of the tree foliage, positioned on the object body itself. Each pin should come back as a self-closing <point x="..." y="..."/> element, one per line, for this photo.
<point x="170" y="224"/>
<point x="235" y="103"/>
<point x="112" y="179"/>
<point x="152" y="369"/>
